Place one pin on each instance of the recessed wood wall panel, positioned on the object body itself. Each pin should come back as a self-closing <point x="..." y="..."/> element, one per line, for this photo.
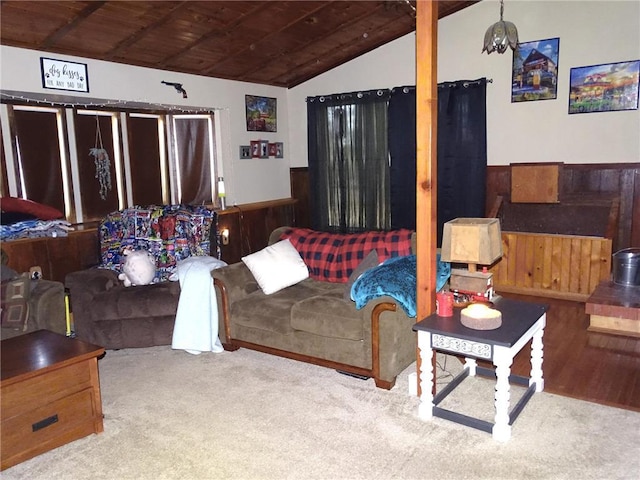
<point x="560" y="266"/>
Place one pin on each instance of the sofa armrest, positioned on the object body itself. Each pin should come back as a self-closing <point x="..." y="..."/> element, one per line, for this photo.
<point x="232" y="283"/>
<point x="91" y="281"/>
<point x="237" y="280"/>
<point x="393" y="342"/>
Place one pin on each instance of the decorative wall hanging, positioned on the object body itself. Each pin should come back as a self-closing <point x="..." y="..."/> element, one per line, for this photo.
<point x="604" y="88"/>
<point x="178" y="87"/>
<point x="63" y="75"/>
<point x="261" y="114"/>
<point x="101" y="160"/>
<point x="535" y="71"/>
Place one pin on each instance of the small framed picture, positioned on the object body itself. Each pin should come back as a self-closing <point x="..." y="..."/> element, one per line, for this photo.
<point x="255" y="148"/>
<point x="261" y="113"/>
<point x="272" y="149"/>
<point x="279" y="150"/>
<point x="264" y="149"/>
<point x="245" y="151"/>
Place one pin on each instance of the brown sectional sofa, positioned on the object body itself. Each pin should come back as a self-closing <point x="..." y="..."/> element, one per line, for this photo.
<point x="312" y="322"/>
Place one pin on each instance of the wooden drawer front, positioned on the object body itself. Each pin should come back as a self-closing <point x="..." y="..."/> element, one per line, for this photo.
<point x="55" y="424"/>
<point x="29" y="394"/>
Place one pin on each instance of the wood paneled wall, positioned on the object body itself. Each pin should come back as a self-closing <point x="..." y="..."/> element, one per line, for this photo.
<point x="249" y="228"/>
<point x="605" y="179"/>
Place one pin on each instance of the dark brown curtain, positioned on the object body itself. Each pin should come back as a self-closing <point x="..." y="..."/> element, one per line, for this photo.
<point x="144" y="152"/>
<point x="93" y="206"/>
<point x="192" y="142"/>
<point x="37" y="136"/>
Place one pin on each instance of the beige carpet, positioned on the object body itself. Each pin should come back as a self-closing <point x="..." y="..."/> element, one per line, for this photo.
<point x="247" y="415"/>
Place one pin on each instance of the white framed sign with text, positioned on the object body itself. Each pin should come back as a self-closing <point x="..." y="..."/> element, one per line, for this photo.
<point x="64" y="75"/>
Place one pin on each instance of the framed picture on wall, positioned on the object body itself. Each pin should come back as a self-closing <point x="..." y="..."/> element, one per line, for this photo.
<point x="255" y="148"/>
<point x="261" y="114"/>
<point x="535" y="71"/>
<point x="264" y="149"/>
<point x="245" y="151"/>
<point x="608" y="87"/>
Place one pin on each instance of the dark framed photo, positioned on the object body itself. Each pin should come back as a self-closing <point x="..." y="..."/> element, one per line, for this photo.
<point x="245" y="151"/>
<point x="272" y="149"/>
<point x="535" y="71"/>
<point x="264" y="149"/>
<point x="608" y="87"/>
<point x="255" y="148"/>
<point x="279" y="150"/>
<point x="261" y="114"/>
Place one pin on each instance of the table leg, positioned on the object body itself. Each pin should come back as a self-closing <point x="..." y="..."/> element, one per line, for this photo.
<point x="501" y="428"/>
<point x="471" y="364"/>
<point x="536" y="361"/>
<point x="426" y="376"/>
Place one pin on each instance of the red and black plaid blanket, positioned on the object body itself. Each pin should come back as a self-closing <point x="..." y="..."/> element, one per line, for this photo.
<point x="331" y="257"/>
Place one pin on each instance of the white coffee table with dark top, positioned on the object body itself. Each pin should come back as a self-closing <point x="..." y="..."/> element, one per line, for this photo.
<point x="521" y="322"/>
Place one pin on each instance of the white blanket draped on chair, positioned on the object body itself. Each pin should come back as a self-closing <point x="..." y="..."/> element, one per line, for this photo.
<point x="196" y="326"/>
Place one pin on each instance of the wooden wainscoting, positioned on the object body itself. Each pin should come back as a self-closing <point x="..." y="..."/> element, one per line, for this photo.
<point x="249" y="228"/>
<point x="558" y="266"/>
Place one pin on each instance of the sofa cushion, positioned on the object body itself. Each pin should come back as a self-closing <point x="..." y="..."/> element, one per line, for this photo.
<point x="276" y="267"/>
<point x="332" y="257"/>
<point x="328" y="315"/>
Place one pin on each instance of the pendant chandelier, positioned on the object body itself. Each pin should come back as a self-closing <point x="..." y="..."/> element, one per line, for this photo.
<point x="500" y="35"/>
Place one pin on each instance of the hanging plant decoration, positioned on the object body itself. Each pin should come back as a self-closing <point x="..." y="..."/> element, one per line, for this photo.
<point x="101" y="160"/>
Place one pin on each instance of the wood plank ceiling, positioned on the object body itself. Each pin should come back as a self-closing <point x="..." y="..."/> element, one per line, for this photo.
<point x="281" y="43"/>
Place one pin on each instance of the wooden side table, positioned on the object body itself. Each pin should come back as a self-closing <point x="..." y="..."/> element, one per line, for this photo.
<point x="521" y="322"/>
<point x="50" y="394"/>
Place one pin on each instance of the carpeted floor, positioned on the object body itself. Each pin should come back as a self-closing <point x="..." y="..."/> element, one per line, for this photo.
<point x="248" y="415"/>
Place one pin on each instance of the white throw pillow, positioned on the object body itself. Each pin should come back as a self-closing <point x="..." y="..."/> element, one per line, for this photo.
<point x="277" y="266"/>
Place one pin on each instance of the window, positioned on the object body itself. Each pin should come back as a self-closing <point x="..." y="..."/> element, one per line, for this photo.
<point x="88" y="163"/>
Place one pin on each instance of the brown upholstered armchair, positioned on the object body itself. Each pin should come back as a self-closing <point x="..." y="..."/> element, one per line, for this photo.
<point x="107" y="313"/>
<point x="29" y="305"/>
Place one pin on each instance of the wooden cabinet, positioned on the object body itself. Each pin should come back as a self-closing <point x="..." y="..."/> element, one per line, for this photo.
<point x="50" y="394"/>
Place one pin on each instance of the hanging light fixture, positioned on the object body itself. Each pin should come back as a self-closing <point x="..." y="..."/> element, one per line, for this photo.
<point x="500" y="35"/>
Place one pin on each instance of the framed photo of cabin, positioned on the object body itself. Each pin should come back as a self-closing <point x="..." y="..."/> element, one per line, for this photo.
<point x="261" y="114"/>
<point x="608" y="87"/>
<point x="535" y="71"/>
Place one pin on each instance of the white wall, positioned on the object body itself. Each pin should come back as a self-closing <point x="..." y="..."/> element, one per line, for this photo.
<point x="245" y="180"/>
<point x="590" y="32"/>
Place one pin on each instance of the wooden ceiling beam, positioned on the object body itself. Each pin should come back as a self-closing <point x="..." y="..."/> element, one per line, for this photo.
<point x="70" y="25"/>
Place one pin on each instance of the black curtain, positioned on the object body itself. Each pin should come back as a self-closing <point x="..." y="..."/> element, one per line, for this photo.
<point x="462" y="152"/>
<point x="349" y="161"/>
<point x="402" y="148"/>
